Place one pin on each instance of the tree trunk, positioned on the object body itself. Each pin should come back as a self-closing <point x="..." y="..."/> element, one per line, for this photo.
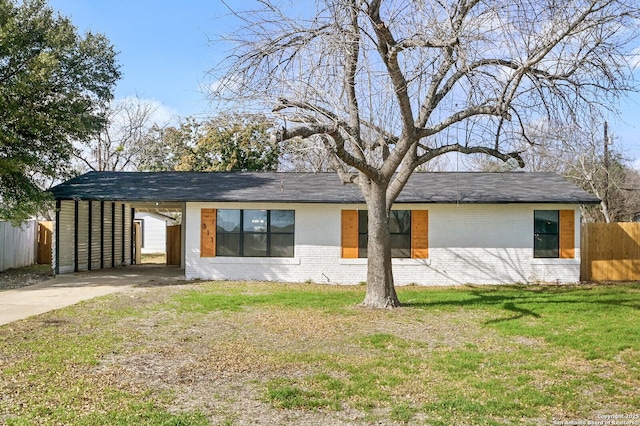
<point x="381" y="292"/>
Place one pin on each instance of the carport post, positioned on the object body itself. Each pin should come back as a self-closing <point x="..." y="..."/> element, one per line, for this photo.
<point x="101" y="234"/>
<point x="132" y="240"/>
<point x="124" y="234"/>
<point x="113" y="234"/>
<point x="75" y="236"/>
<point x="90" y="235"/>
<point x="57" y="259"/>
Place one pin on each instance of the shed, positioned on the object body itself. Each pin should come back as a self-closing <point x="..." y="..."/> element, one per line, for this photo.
<point x="153" y="230"/>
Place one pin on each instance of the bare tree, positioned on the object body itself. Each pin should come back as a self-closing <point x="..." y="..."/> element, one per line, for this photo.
<point x="385" y="86"/>
<point x="122" y="144"/>
<point x="586" y="156"/>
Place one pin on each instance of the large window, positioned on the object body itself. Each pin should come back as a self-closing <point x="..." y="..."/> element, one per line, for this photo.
<point x="255" y="233"/>
<point x="546" y="225"/>
<point x="399" y="228"/>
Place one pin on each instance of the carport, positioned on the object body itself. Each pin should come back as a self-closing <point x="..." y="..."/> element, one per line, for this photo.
<point x="94" y="222"/>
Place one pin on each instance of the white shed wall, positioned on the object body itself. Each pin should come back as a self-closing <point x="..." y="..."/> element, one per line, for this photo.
<point x="117" y="236"/>
<point x="479" y="244"/>
<point x="154" y="232"/>
<point x="108" y="247"/>
<point x="65" y="238"/>
<point x="83" y="236"/>
<point x="96" y="226"/>
<point x="105" y="244"/>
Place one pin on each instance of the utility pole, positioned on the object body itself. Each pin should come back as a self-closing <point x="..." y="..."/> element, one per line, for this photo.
<point x="606" y="172"/>
<point x="606" y="162"/>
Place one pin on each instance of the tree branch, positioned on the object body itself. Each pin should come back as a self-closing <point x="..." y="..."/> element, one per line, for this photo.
<point x="431" y="153"/>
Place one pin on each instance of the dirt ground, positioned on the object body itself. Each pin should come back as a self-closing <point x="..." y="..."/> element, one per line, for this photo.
<point x="21" y="277"/>
<point x="219" y="362"/>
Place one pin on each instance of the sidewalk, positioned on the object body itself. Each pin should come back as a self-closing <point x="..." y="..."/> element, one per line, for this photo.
<point x="69" y="289"/>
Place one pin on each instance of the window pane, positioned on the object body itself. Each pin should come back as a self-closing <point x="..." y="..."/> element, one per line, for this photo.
<point x="362" y="245"/>
<point x="546" y="221"/>
<point x="255" y="221"/>
<point x="282" y="220"/>
<point x="363" y="221"/>
<point x="254" y="245"/>
<point x="546" y="233"/>
<point x="400" y="222"/>
<point x="281" y="245"/>
<point x="399" y="227"/>
<point x="228" y="221"/>
<point x="400" y="245"/>
<point x="546" y="245"/>
<point x="228" y="244"/>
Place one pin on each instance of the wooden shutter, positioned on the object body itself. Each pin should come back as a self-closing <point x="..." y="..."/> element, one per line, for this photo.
<point x="420" y="234"/>
<point x="567" y="234"/>
<point x="208" y="233"/>
<point x="349" y="243"/>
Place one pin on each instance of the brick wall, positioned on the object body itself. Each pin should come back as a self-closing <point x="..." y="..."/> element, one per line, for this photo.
<point x="477" y="244"/>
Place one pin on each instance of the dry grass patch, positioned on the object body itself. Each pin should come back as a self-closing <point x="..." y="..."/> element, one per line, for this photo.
<point x="267" y="353"/>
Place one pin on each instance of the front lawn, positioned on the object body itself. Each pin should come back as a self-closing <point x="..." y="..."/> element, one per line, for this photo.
<point x="266" y="353"/>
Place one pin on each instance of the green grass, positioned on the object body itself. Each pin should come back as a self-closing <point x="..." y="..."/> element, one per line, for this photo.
<point x="51" y="377"/>
<point x="238" y="296"/>
<point x="594" y="320"/>
<point x="468" y="355"/>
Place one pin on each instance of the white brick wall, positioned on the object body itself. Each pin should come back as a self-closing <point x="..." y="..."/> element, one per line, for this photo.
<point x="477" y="244"/>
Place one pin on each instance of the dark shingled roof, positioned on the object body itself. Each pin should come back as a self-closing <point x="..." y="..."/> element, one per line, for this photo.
<point x="443" y="187"/>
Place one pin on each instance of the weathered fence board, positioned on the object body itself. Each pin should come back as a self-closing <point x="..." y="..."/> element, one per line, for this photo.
<point x="174" y="244"/>
<point x="45" y="239"/>
<point x="17" y="245"/>
<point x="610" y="251"/>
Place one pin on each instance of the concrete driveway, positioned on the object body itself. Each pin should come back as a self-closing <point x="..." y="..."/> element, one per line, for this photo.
<point x="69" y="289"/>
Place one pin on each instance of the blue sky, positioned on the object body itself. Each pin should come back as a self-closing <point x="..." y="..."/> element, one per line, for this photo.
<point x="163" y="46"/>
<point x="165" y="54"/>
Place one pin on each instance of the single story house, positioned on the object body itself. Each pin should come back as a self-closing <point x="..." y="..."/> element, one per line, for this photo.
<point x="153" y="230"/>
<point x="447" y="228"/>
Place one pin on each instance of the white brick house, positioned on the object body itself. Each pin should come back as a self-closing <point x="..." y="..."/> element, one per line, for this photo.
<point x="448" y="228"/>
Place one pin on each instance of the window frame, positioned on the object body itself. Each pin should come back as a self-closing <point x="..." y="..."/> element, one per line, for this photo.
<point x="538" y="237"/>
<point x="363" y="235"/>
<point x="244" y="232"/>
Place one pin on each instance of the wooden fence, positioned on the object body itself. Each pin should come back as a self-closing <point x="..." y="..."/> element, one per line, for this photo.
<point x="45" y="240"/>
<point x="174" y="244"/>
<point x="610" y="251"/>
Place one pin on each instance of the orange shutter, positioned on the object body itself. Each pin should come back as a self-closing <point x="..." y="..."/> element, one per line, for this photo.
<point x="420" y="234"/>
<point x="567" y="234"/>
<point x="208" y="233"/>
<point x="349" y="243"/>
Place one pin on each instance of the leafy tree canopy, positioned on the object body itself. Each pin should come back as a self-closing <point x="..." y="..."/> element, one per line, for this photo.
<point x="52" y="84"/>
<point x="227" y="142"/>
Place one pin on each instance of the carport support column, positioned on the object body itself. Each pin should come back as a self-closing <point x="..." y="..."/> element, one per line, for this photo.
<point x="113" y="234"/>
<point x="90" y="236"/>
<point x="75" y="236"/>
<point x="57" y="259"/>
<point x="124" y="234"/>
<point x="101" y="234"/>
<point x="183" y="236"/>
<point x="132" y="239"/>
